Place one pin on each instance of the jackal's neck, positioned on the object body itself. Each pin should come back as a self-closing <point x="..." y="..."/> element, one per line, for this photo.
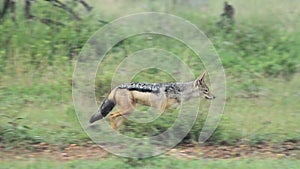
<point x="188" y="91"/>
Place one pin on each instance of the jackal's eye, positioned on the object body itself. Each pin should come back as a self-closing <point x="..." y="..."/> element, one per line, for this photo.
<point x="205" y="91"/>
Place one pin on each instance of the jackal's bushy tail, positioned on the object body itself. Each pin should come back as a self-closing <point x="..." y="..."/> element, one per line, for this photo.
<point x="105" y="108"/>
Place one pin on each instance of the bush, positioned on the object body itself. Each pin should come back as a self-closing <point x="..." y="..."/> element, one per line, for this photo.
<point x="14" y="133"/>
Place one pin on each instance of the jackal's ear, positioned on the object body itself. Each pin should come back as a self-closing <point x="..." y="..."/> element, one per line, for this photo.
<point x="200" y="80"/>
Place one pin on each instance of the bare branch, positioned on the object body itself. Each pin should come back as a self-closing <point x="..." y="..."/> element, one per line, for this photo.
<point x="85" y="4"/>
<point x="63" y="6"/>
<point x="48" y="21"/>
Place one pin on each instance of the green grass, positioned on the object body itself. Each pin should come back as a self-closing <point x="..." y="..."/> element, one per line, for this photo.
<point x="260" y="56"/>
<point x="271" y="116"/>
<point x="153" y="163"/>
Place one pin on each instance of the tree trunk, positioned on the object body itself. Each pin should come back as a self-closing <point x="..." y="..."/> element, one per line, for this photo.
<point x="6" y="4"/>
<point x="28" y="9"/>
<point x="13" y="9"/>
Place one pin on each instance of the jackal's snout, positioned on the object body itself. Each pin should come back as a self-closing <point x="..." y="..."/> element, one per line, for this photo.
<point x="209" y="97"/>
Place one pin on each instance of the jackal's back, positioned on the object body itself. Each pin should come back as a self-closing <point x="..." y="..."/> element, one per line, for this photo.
<point x="142" y="87"/>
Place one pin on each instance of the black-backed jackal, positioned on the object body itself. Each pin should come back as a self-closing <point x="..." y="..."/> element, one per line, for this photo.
<point x="157" y="95"/>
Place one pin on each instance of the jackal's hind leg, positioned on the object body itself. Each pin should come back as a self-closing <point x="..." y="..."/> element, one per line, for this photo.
<point x="112" y="119"/>
<point x="120" y="121"/>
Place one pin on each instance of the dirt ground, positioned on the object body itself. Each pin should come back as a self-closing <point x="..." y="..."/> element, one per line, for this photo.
<point x="92" y="151"/>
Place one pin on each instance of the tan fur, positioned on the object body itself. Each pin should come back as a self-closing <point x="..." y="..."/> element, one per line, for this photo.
<point x="126" y="101"/>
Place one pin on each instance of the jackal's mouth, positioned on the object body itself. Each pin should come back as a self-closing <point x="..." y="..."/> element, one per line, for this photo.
<point x="209" y="97"/>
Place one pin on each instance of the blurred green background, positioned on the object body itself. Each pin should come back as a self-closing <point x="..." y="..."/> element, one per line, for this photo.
<point x="260" y="53"/>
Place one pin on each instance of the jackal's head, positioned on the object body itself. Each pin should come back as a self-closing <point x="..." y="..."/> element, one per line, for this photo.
<point x="199" y="83"/>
